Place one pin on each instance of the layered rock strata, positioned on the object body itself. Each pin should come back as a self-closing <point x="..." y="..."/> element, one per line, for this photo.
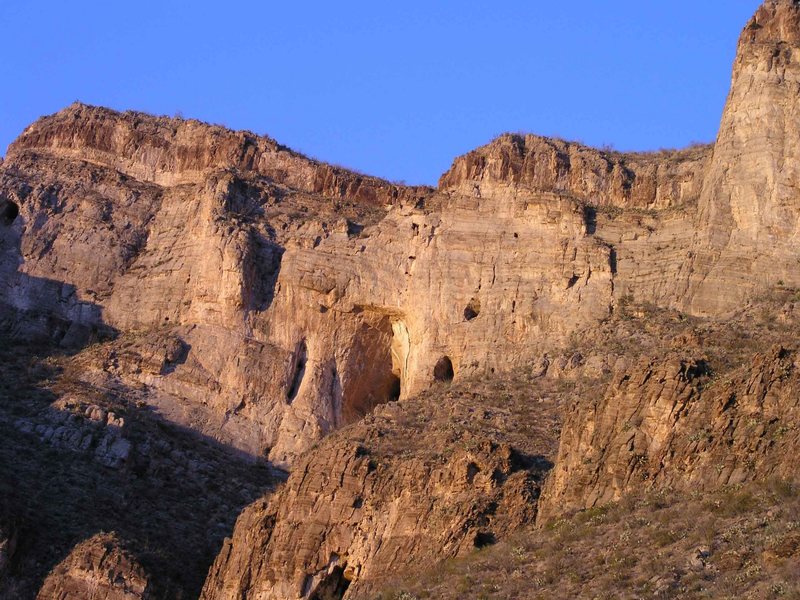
<point x="98" y="568"/>
<point x="415" y="483"/>
<point x="667" y="423"/>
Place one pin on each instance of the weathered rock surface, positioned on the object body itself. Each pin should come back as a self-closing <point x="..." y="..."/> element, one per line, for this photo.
<point x="415" y="483"/>
<point x="219" y="282"/>
<point x="749" y="211"/>
<point x="655" y="180"/>
<point x="666" y="422"/>
<point x="170" y="152"/>
<point x="98" y="568"/>
<point x="300" y="296"/>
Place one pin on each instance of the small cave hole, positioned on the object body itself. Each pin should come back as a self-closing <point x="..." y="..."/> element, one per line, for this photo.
<point x="10" y="212"/>
<point x="472" y="471"/>
<point x="473" y="309"/>
<point x="332" y="587"/>
<point x="572" y="281"/>
<point x="484" y="538"/>
<point x="443" y="371"/>
<point x="298" y="372"/>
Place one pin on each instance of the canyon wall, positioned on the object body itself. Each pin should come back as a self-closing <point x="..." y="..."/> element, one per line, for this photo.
<point x="265" y="300"/>
<point x="349" y="291"/>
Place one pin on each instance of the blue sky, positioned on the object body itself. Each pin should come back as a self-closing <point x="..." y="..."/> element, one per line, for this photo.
<point x="395" y="89"/>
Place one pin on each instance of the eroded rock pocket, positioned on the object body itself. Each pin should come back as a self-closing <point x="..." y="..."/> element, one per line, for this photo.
<point x="443" y="371"/>
<point x="9" y="211"/>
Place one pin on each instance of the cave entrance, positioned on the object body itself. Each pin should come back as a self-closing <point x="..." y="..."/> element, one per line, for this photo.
<point x="443" y="371"/>
<point x="332" y="587"/>
<point x="375" y="365"/>
<point x="9" y="212"/>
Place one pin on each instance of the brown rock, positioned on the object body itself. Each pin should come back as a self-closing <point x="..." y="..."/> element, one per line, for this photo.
<point x="666" y="423"/>
<point x="418" y="482"/>
<point x="98" y="568"/>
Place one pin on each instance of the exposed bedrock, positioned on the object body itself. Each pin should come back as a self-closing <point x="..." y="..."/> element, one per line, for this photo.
<point x="414" y="483"/>
<point x="304" y="294"/>
<point x="100" y="567"/>
<point x="667" y="423"/>
<point x="749" y="209"/>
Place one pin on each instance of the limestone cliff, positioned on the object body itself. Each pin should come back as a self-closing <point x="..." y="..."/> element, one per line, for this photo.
<point x="220" y="283"/>
<point x="748" y="217"/>
<point x="656" y="180"/>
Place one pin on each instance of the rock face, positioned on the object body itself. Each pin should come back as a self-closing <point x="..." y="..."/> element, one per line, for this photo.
<point x="297" y="296"/>
<point x="263" y="300"/>
<point x="666" y="423"/>
<point x="98" y="568"/>
<point x="415" y="483"/>
<point x="131" y="223"/>
<point x="661" y="180"/>
<point x="748" y="209"/>
<point x="173" y="152"/>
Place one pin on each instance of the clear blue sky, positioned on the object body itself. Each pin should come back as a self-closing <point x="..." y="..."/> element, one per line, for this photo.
<point x="395" y="89"/>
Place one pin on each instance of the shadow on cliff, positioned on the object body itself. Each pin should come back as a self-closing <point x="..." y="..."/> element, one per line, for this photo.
<point x="76" y="459"/>
<point x="172" y="500"/>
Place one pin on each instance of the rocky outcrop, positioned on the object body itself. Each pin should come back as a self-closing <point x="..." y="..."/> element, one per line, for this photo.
<point x="194" y="262"/>
<point x="302" y="295"/>
<point x="265" y="300"/>
<point x="77" y="459"/>
<point x="98" y="568"/>
<point x="604" y="178"/>
<point x="413" y="484"/>
<point x="249" y="275"/>
<point x="482" y="286"/>
<point x="747" y="228"/>
<point x="171" y="152"/>
<point x="669" y="423"/>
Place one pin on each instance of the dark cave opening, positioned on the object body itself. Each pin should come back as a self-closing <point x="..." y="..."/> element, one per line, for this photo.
<point x="473" y="309"/>
<point x="10" y="212"/>
<point x="484" y="538"/>
<point x="443" y="371"/>
<point x="394" y="388"/>
<point x="298" y="372"/>
<point x="332" y="587"/>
